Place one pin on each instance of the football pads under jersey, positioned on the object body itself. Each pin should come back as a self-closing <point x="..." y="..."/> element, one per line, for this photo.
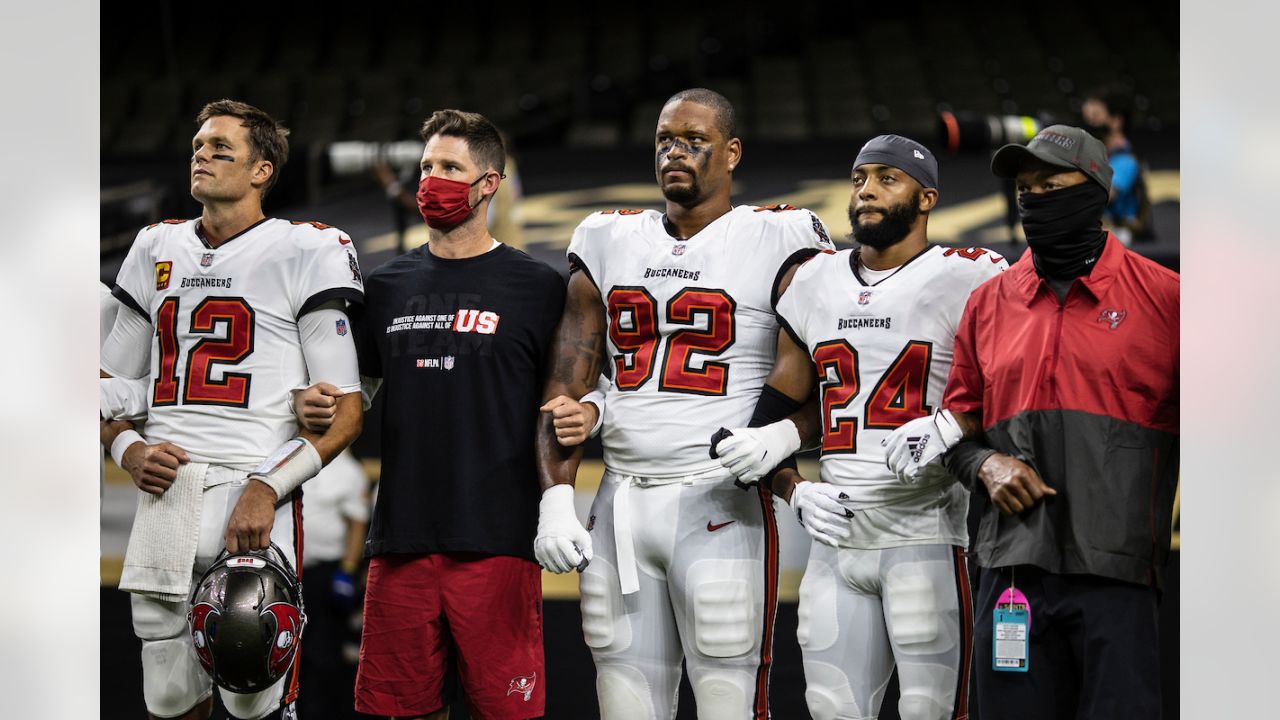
<point x="882" y="353"/>
<point x="226" y="349"/>
<point x="692" y="333"/>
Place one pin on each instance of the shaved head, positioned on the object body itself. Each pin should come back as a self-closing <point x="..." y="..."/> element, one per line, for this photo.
<point x="725" y="121"/>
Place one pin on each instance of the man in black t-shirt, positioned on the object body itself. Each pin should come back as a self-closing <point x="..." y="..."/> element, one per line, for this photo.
<point x="457" y="330"/>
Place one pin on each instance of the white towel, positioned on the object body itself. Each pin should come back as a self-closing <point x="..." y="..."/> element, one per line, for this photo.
<point x="166" y="532"/>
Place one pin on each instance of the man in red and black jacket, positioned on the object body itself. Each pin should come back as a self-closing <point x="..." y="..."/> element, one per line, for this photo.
<point x="1064" y="390"/>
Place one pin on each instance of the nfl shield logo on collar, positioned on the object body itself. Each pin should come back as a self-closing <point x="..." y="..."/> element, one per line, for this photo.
<point x="678" y="249"/>
<point x="206" y="260"/>
<point x="864" y="297"/>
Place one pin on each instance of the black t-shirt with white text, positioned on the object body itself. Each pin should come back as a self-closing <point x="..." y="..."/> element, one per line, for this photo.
<point x="461" y="348"/>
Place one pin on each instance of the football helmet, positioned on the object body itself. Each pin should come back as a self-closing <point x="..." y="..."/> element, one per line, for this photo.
<point x="246" y="619"/>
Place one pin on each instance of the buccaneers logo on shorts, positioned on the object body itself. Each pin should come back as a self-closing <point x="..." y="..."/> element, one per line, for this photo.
<point x="523" y="685"/>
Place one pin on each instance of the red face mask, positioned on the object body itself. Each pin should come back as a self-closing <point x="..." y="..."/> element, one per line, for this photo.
<point x="443" y="202"/>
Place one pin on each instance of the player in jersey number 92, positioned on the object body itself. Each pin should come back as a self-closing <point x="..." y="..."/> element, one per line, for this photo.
<point x="680" y="563"/>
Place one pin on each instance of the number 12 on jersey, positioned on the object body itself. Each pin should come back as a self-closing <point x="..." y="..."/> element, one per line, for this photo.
<point x="197" y="383"/>
<point x="897" y="398"/>
<point x="633" y="329"/>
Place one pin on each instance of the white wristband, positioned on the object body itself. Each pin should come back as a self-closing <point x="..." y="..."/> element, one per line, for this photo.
<point x="122" y="443"/>
<point x="595" y="397"/>
<point x="293" y="399"/>
<point x="292" y="464"/>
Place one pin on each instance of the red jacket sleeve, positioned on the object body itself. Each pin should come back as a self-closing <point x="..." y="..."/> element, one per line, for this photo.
<point x="965" y="386"/>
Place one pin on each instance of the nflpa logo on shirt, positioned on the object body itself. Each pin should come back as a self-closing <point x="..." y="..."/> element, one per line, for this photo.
<point x="164" y="269"/>
<point x="484" y="322"/>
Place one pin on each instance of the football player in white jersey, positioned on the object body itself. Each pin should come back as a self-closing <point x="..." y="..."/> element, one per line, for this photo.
<point x="224" y="315"/>
<point x="874" y="328"/>
<point x="680" y="562"/>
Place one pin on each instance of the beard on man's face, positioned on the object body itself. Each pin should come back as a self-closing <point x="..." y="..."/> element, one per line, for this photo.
<point x="892" y="227"/>
<point x="682" y="193"/>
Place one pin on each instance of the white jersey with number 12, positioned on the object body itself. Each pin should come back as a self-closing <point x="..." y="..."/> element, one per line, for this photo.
<point x="226" y="349"/>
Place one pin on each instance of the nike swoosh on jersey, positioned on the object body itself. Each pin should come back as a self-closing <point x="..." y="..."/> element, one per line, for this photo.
<point x="713" y="528"/>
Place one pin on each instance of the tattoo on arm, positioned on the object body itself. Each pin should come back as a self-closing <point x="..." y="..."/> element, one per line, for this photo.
<point x="577" y="356"/>
<point x="579" y="342"/>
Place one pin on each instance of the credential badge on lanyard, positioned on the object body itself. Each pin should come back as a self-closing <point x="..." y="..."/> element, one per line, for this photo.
<point x="1012" y="630"/>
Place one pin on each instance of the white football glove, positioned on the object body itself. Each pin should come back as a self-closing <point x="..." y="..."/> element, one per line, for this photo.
<point x="820" y="512"/>
<point x="749" y="453"/>
<point x="914" y="445"/>
<point x="562" y="543"/>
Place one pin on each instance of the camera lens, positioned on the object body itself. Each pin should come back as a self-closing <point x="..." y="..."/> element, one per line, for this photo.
<point x="961" y="132"/>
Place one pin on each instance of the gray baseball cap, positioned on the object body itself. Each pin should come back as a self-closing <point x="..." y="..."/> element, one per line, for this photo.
<point x="1061" y="145"/>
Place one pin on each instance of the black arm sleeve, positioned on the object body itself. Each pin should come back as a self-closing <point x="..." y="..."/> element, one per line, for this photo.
<point x="964" y="459"/>
<point x="774" y="405"/>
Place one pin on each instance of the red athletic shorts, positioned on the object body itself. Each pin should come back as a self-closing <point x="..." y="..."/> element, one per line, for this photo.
<point x="419" y="610"/>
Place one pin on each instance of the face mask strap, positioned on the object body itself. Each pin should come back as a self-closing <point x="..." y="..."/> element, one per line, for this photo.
<point x="501" y="176"/>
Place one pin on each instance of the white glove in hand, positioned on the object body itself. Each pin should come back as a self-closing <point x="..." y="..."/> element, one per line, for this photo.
<point x="750" y="453"/>
<point x="562" y="543"/>
<point x="916" y="444"/>
<point x="819" y="509"/>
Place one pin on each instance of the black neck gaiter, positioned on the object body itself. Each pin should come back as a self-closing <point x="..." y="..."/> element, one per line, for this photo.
<point x="1064" y="229"/>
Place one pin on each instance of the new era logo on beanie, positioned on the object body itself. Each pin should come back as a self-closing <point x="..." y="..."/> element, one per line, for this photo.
<point x="903" y="153"/>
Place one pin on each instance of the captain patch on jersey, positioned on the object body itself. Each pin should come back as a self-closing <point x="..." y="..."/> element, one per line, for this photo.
<point x="226" y="327"/>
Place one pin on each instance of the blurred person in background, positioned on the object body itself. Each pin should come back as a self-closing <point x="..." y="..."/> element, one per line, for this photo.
<point x="335" y="523"/>
<point x="1107" y="112"/>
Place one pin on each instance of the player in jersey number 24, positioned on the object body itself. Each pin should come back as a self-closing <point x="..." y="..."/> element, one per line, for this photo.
<point x="873" y="329"/>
